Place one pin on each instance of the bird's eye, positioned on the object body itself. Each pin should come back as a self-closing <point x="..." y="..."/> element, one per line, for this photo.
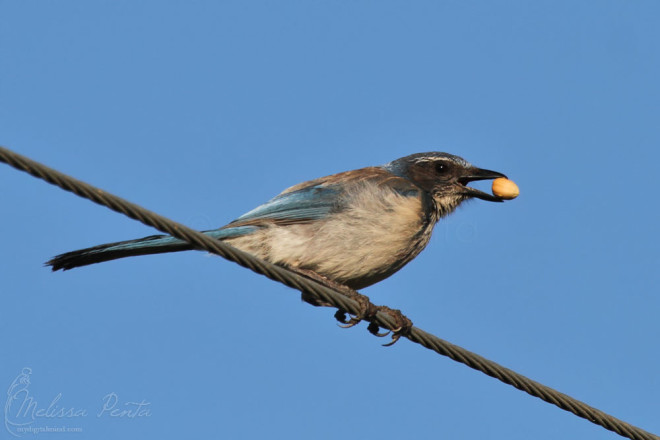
<point x="441" y="168"/>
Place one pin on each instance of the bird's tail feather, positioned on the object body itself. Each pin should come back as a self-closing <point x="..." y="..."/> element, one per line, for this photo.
<point x="154" y="244"/>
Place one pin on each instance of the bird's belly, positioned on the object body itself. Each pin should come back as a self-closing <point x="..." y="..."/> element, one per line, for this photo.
<point x="356" y="250"/>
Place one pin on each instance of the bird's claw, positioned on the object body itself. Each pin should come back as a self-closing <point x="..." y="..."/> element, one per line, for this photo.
<point x="374" y="330"/>
<point x="395" y="338"/>
<point x="403" y="325"/>
<point x="366" y="311"/>
<point x="340" y="316"/>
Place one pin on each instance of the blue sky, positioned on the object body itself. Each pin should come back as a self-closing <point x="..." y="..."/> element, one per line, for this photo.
<point x="202" y="110"/>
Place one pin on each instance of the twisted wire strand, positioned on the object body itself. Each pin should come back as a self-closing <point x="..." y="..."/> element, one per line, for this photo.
<point x="321" y="292"/>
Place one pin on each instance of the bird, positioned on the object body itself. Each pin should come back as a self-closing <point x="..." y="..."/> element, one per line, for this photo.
<point x="354" y="228"/>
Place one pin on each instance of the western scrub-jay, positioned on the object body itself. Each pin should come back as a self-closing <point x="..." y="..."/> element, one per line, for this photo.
<point x="354" y="228"/>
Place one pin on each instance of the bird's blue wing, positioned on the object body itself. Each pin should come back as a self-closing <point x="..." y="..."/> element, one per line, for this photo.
<point x="309" y="203"/>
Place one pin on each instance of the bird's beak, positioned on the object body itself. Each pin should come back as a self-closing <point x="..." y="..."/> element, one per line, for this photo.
<point x="473" y="174"/>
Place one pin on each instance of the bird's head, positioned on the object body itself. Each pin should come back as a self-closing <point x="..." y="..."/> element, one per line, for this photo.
<point x="445" y="177"/>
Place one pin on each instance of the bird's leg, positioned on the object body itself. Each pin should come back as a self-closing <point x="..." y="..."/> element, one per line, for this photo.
<point x="367" y="310"/>
<point x="403" y="325"/>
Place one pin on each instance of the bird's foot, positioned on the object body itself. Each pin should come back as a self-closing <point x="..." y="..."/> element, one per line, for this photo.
<point x="403" y="325"/>
<point x="367" y="310"/>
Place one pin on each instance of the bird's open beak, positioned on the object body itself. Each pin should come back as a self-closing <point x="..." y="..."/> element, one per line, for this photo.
<point x="473" y="174"/>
